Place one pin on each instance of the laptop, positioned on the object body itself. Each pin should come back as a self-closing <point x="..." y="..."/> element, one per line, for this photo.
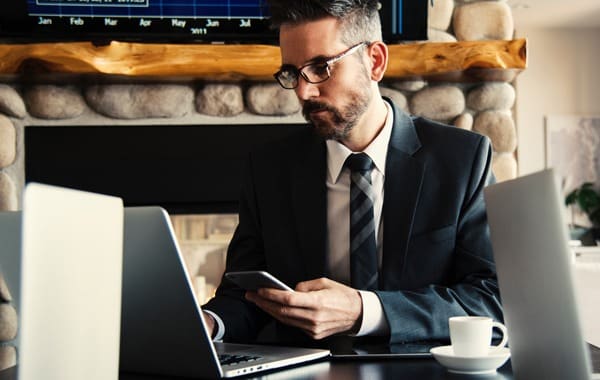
<point x="534" y="267"/>
<point x="162" y="329"/>
<point x="70" y="293"/>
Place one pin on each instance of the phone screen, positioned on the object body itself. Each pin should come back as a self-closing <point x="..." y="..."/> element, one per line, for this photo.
<point x="254" y="280"/>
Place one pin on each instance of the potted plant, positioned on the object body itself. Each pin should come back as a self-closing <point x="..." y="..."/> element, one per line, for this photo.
<point x="588" y="200"/>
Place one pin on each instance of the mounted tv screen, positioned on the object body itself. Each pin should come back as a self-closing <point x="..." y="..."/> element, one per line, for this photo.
<point x="177" y="21"/>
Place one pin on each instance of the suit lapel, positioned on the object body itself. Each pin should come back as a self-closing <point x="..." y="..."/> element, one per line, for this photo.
<point x="309" y="199"/>
<point x="403" y="178"/>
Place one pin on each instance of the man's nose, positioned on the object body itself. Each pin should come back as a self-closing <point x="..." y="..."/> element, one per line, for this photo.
<point x="306" y="90"/>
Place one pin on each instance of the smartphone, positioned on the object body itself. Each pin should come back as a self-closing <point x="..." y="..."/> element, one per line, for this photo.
<point x="256" y="279"/>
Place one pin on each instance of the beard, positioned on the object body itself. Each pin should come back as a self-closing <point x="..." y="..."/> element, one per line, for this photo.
<point x="335" y="123"/>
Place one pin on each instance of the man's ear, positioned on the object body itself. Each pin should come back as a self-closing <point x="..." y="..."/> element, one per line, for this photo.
<point x="378" y="56"/>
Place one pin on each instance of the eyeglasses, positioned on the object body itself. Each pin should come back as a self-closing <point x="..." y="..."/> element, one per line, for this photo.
<point x="316" y="72"/>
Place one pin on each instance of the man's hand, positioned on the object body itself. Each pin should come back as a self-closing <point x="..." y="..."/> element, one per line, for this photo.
<point x="210" y="323"/>
<point x="320" y="307"/>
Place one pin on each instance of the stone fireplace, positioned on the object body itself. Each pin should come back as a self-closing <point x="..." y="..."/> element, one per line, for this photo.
<point x="484" y="106"/>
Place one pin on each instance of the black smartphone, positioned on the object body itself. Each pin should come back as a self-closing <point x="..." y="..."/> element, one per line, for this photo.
<point x="256" y="279"/>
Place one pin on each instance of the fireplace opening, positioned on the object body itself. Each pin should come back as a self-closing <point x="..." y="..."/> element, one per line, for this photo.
<point x="183" y="168"/>
<point x="203" y="240"/>
<point x="192" y="171"/>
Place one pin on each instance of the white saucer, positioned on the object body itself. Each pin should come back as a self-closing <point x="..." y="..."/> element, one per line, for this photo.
<point x="477" y="365"/>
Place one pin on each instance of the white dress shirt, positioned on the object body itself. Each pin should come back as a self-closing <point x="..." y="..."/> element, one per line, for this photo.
<point x="338" y="219"/>
<point x="338" y="224"/>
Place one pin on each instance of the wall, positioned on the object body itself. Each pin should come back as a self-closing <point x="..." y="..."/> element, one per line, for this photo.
<point x="483" y="107"/>
<point x="561" y="78"/>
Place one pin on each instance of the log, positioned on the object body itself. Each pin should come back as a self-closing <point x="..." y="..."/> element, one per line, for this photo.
<point x="459" y="61"/>
<point x="254" y="62"/>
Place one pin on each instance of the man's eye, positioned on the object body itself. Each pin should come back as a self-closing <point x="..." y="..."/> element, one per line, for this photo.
<point x="319" y="69"/>
<point x="287" y="74"/>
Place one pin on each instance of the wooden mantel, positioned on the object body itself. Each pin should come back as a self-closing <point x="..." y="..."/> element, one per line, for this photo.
<point x="254" y="62"/>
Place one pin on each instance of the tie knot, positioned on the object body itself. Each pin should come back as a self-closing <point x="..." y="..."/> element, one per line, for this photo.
<point x="359" y="162"/>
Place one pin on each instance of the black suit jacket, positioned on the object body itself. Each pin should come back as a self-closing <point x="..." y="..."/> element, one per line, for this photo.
<point x="437" y="257"/>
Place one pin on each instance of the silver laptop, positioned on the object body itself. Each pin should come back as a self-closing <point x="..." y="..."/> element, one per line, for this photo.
<point x="534" y="266"/>
<point x="70" y="293"/>
<point x="162" y="329"/>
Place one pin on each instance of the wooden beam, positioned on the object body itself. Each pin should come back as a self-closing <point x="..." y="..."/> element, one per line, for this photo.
<point x="232" y="62"/>
<point x="457" y="59"/>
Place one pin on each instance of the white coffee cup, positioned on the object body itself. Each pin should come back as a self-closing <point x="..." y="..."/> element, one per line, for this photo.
<point x="472" y="336"/>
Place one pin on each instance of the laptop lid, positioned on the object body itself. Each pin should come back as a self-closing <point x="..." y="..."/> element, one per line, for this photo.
<point x="72" y="244"/>
<point x="162" y="329"/>
<point x="534" y="267"/>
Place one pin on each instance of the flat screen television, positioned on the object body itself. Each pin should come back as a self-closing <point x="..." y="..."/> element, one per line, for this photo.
<point x="175" y="21"/>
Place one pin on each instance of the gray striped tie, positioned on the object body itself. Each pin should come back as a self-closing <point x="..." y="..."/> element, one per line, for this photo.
<point x="363" y="248"/>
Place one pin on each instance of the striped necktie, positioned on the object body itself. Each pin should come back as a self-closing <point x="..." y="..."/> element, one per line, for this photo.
<point x="363" y="247"/>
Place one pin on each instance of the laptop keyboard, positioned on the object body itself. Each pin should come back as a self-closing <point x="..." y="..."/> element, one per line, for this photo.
<point x="226" y="359"/>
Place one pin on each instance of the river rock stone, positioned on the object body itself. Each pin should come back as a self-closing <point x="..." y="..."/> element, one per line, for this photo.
<point x="396" y="96"/>
<point x="440" y="14"/>
<point x="434" y="35"/>
<point x="220" y="100"/>
<point x="491" y="96"/>
<point x="8" y="193"/>
<point x="136" y="101"/>
<point x="484" y="20"/>
<point x="464" y="121"/>
<point x="271" y="99"/>
<point x="409" y="85"/>
<point x="441" y="103"/>
<point x="11" y="102"/>
<point x="54" y="102"/>
<point x="499" y="127"/>
<point x="8" y="322"/>
<point x="8" y="357"/>
<point x="504" y="166"/>
<point x="4" y="292"/>
<point x="8" y="142"/>
<point x="493" y="75"/>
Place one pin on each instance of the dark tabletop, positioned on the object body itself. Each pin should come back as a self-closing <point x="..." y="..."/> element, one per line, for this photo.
<point x="345" y="369"/>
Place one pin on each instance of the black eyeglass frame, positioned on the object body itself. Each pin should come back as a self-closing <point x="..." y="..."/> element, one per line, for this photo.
<point x="327" y="64"/>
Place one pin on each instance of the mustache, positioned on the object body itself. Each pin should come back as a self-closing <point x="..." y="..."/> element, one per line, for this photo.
<point x="311" y="106"/>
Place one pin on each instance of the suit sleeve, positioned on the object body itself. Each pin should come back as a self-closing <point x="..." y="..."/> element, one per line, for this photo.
<point x="242" y="319"/>
<point x="422" y="313"/>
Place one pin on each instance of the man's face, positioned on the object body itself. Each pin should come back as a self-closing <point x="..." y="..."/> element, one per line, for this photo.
<point x="336" y="105"/>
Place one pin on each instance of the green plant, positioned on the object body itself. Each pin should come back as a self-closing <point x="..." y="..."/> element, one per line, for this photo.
<point x="588" y="200"/>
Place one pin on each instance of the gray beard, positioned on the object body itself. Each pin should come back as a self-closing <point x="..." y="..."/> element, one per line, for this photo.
<point x="341" y="121"/>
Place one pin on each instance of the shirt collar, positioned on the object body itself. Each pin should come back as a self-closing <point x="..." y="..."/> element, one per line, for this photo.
<point x="377" y="150"/>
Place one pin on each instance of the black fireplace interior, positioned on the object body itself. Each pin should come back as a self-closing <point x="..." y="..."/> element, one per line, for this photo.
<point x="186" y="169"/>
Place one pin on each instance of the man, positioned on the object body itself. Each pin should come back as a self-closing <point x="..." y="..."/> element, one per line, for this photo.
<point x="424" y="246"/>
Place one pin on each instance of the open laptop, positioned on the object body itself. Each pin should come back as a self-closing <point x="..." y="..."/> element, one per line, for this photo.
<point x="70" y="295"/>
<point x="162" y="329"/>
<point x="534" y="266"/>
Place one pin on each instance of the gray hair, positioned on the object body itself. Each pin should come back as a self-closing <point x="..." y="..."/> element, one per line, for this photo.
<point x="359" y="19"/>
